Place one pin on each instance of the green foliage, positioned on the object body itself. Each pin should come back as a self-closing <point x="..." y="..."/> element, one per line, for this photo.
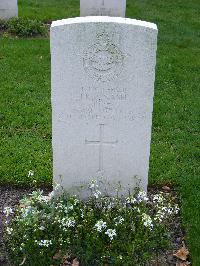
<point x="24" y="27"/>
<point x="3" y="25"/>
<point x="98" y="231"/>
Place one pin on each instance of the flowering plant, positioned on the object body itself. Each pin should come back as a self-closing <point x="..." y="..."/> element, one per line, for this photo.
<point x="100" y="230"/>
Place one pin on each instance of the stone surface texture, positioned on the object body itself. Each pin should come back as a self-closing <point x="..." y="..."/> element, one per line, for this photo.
<point x="103" y="72"/>
<point x="112" y="8"/>
<point x="8" y="9"/>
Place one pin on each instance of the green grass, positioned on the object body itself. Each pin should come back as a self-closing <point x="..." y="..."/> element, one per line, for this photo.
<point x="25" y="111"/>
<point x="48" y="10"/>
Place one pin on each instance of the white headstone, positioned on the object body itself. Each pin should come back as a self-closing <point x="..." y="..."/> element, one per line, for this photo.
<point x="8" y="9"/>
<point x="112" y="8"/>
<point x="102" y="99"/>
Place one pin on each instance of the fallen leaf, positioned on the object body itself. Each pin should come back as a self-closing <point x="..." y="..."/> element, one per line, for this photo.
<point x="22" y="206"/>
<point x="182" y="253"/>
<point x="75" y="262"/>
<point x="65" y="260"/>
<point x="57" y="256"/>
<point x="182" y="263"/>
<point x="166" y="188"/>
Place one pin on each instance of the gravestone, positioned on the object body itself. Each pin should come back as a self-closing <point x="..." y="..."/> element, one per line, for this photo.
<point x="112" y="8"/>
<point x="8" y="9"/>
<point x="103" y="72"/>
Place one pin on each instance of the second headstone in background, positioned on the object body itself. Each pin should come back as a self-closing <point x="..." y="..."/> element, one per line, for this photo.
<point x="112" y="8"/>
<point x="8" y="9"/>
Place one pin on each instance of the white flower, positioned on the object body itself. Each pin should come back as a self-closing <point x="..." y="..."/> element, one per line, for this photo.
<point x="137" y="209"/>
<point x="26" y="211"/>
<point x="7" y="211"/>
<point x="76" y="201"/>
<point x="43" y="243"/>
<point x="67" y="222"/>
<point x="111" y="233"/>
<point x="147" y="221"/>
<point x="165" y="211"/>
<point x="70" y="223"/>
<point x="51" y="194"/>
<point x="30" y="173"/>
<point x="131" y="200"/>
<point x="142" y="196"/>
<point x="110" y="205"/>
<point x="82" y="213"/>
<point x="9" y="230"/>
<point x="38" y="195"/>
<point x="22" y="246"/>
<point x="176" y="209"/>
<point x="57" y="187"/>
<point x="59" y="206"/>
<point x="60" y="240"/>
<point x="70" y="207"/>
<point x="119" y="220"/>
<point x="45" y="198"/>
<point x="100" y="225"/>
<point x="97" y="193"/>
<point x="93" y="184"/>
<point x="158" y="198"/>
<point x="170" y="211"/>
<point x="42" y="228"/>
<point x="159" y="216"/>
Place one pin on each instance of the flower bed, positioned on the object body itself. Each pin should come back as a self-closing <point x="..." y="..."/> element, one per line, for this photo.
<point x="98" y="231"/>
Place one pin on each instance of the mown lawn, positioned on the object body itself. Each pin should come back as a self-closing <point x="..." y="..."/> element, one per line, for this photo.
<point x="48" y="9"/>
<point x="25" y="111"/>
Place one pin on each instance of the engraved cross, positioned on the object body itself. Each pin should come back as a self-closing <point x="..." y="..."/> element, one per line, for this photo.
<point x="101" y="142"/>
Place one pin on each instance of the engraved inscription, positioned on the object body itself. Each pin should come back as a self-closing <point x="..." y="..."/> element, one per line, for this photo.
<point x="101" y="103"/>
<point x="100" y="143"/>
<point x="103" y="60"/>
<point x="102" y="11"/>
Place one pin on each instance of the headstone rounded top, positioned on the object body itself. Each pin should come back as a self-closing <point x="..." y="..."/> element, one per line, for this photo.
<point x="98" y="19"/>
<point x="112" y="8"/>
